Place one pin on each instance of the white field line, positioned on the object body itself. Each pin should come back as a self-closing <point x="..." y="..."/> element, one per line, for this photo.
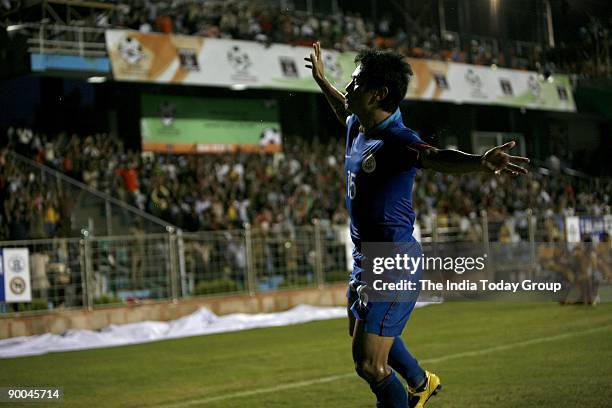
<point x="299" y="384"/>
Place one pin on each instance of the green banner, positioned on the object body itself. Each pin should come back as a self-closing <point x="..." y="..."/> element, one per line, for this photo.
<point x="191" y="125"/>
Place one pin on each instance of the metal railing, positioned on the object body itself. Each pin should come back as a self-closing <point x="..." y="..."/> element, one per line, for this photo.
<point x="96" y="211"/>
<point x="91" y="270"/>
<point x="90" y="42"/>
<point x="63" y="39"/>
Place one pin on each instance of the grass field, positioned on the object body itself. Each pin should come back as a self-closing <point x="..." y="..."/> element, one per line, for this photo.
<point x="487" y="354"/>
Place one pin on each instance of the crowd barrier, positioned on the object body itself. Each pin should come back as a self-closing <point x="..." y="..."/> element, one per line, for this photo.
<point x="93" y="271"/>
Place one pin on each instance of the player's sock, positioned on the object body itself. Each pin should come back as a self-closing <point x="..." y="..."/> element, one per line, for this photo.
<point x="405" y="364"/>
<point x="390" y="392"/>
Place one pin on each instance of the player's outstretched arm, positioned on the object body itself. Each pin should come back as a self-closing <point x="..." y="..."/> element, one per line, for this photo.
<point x="495" y="160"/>
<point x="334" y="97"/>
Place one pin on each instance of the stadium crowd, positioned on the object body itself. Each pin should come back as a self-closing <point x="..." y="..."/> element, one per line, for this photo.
<point x="224" y="191"/>
<point x="346" y="31"/>
<point x="268" y="23"/>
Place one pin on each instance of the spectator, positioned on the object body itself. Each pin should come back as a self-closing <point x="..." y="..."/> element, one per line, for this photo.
<point x="288" y="189"/>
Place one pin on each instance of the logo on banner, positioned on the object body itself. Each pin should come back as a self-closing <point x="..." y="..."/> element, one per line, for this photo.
<point x="288" y="67"/>
<point x="474" y="81"/>
<point x="16" y="264"/>
<point x="15" y="275"/>
<point x="167" y="111"/>
<point x="131" y="50"/>
<point x="534" y="87"/>
<point x="17" y="285"/>
<point x="562" y="92"/>
<point x="441" y="81"/>
<point x="506" y="87"/>
<point x="240" y="62"/>
<point x="188" y="59"/>
<point x="239" y="59"/>
<point x="330" y="61"/>
<point x="270" y="136"/>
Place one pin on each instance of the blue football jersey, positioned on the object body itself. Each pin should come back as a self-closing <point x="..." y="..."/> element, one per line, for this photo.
<point x="380" y="169"/>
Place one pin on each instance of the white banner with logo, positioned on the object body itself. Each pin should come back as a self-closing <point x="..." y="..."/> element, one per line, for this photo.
<point x="463" y="83"/>
<point x="190" y="60"/>
<point x="16" y="271"/>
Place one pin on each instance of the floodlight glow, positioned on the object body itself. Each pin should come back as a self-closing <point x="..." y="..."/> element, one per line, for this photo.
<point x="96" y="79"/>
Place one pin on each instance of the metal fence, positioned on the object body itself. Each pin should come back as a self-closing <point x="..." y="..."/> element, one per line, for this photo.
<point x="90" y="41"/>
<point x="56" y="270"/>
<point x="62" y="39"/>
<point x="82" y="207"/>
<point x="92" y="270"/>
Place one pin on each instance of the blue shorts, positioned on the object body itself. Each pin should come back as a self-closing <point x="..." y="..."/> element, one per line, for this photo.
<point x="383" y="318"/>
<point x="386" y="319"/>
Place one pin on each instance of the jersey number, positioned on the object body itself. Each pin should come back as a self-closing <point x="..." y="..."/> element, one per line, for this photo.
<point x="351" y="188"/>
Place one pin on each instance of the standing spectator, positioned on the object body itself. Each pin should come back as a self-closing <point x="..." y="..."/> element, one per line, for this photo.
<point x="130" y="181"/>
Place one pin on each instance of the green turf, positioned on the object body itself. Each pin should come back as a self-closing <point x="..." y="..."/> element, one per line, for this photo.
<point x="570" y="365"/>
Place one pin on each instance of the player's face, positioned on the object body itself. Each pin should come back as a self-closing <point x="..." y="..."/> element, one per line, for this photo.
<point x="358" y="99"/>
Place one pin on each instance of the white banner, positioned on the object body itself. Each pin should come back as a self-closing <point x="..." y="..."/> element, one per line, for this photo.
<point x="463" y="83"/>
<point x="16" y="268"/>
<point x="572" y="229"/>
<point x="191" y="60"/>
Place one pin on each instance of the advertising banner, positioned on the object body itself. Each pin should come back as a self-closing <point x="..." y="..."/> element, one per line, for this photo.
<point x="595" y="226"/>
<point x="463" y="83"/>
<point x="203" y="125"/>
<point x="16" y="271"/>
<point x="190" y="60"/>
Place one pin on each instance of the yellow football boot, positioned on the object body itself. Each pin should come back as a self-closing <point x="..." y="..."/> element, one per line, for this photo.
<point x="419" y="399"/>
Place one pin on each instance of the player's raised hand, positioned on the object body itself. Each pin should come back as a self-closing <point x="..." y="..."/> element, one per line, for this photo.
<point x="497" y="160"/>
<point x="315" y="62"/>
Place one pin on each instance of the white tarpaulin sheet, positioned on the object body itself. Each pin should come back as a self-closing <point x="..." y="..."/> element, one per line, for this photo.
<point x="199" y="323"/>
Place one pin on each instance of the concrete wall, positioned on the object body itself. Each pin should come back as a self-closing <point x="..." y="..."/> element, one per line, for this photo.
<point x="60" y="321"/>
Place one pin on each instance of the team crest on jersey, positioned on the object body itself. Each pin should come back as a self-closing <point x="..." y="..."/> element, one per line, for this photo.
<point x="369" y="164"/>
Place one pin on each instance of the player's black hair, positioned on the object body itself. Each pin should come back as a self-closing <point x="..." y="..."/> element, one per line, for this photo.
<point x="385" y="68"/>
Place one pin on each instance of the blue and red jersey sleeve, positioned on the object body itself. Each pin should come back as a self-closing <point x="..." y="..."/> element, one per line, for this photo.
<point x="412" y="145"/>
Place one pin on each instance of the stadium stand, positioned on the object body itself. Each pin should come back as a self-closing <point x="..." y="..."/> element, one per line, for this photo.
<point x="100" y="216"/>
<point x="170" y="169"/>
<point x="269" y="22"/>
<point x="224" y="192"/>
